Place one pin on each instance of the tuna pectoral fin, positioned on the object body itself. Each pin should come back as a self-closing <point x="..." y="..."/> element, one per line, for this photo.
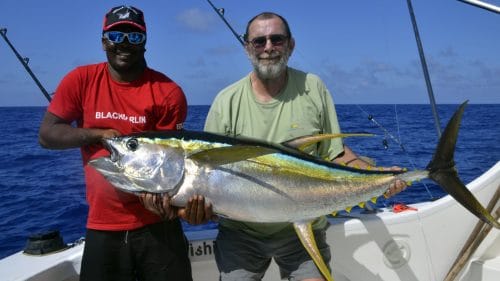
<point x="301" y="143"/>
<point x="229" y="154"/>
<point x="306" y="236"/>
<point x="442" y="170"/>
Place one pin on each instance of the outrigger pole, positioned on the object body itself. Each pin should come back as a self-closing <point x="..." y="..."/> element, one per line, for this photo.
<point x="24" y="62"/>
<point x="424" y="68"/>
<point x="483" y="5"/>
<point x="220" y="12"/>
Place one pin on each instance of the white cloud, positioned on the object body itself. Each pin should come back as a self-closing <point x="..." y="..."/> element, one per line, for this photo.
<point x="196" y="19"/>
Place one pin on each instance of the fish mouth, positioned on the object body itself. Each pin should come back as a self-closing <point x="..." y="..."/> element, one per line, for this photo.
<point x="107" y="164"/>
<point x="114" y="156"/>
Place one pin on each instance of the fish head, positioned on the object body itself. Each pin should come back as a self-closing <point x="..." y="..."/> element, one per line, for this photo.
<point x="137" y="164"/>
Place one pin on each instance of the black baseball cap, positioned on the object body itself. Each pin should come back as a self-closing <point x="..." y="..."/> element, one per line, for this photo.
<point x="124" y="15"/>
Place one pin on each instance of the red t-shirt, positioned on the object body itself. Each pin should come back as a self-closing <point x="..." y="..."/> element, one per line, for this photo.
<point x="89" y="96"/>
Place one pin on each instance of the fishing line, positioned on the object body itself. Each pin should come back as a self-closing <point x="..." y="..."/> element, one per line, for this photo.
<point x="407" y="154"/>
<point x="396" y="140"/>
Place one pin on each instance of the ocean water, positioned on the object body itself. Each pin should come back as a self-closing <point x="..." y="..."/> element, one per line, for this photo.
<point x="43" y="189"/>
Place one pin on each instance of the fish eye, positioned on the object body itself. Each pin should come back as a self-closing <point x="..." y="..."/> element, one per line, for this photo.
<point x="132" y="144"/>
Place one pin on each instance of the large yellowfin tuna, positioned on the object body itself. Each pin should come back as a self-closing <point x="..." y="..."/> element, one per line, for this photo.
<point x="254" y="181"/>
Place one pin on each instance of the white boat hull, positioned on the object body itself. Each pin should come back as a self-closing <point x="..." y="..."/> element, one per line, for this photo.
<point x="412" y="245"/>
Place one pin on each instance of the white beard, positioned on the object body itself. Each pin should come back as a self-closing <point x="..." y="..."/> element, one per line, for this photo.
<point x="272" y="70"/>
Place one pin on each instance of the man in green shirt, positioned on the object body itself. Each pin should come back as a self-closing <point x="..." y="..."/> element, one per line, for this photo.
<point x="275" y="103"/>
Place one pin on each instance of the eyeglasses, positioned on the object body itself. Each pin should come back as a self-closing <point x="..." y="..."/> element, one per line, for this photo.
<point x="117" y="37"/>
<point x="261" y="41"/>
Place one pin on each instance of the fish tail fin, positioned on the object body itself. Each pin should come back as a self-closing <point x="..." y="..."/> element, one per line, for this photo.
<point x="442" y="170"/>
<point x="306" y="236"/>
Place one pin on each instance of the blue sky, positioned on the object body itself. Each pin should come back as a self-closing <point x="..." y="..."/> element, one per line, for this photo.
<point x="365" y="51"/>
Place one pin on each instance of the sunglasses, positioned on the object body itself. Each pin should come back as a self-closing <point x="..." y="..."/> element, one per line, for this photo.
<point x="276" y="40"/>
<point x="118" y="37"/>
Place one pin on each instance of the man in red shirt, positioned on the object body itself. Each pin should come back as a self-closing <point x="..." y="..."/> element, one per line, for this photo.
<point x="129" y="236"/>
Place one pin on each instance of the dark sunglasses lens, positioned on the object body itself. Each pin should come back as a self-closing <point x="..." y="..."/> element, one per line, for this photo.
<point x="277" y="40"/>
<point x="115" y="36"/>
<point x="259" y="42"/>
<point x="136" y="37"/>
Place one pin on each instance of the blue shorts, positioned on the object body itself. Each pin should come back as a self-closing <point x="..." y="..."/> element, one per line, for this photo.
<point x="240" y="256"/>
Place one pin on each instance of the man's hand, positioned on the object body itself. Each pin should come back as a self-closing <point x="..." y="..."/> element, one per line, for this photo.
<point x="108" y="133"/>
<point x="196" y="211"/>
<point x="395" y="187"/>
<point x="158" y="204"/>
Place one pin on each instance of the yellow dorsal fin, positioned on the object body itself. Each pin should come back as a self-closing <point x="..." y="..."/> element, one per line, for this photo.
<point x="229" y="154"/>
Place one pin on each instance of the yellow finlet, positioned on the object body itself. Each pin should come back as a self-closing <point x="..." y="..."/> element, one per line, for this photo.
<point x="362" y="204"/>
<point x="374" y="200"/>
<point x="348" y="209"/>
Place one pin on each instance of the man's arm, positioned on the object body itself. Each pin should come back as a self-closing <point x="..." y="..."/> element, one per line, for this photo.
<point x="349" y="158"/>
<point x="57" y="133"/>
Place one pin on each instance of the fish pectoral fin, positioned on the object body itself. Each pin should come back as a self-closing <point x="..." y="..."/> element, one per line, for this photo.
<point x="306" y="236"/>
<point x="301" y="143"/>
<point x="229" y="154"/>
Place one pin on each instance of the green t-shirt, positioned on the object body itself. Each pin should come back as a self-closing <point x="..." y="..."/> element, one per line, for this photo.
<point x="304" y="107"/>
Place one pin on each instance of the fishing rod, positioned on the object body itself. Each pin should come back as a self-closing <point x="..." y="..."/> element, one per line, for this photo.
<point x="24" y="62"/>
<point x="424" y="68"/>
<point x="220" y="12"/>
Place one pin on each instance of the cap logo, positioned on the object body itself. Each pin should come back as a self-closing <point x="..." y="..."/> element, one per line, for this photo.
<point x="124" y="16"/>
<point x="127" y="12"/>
